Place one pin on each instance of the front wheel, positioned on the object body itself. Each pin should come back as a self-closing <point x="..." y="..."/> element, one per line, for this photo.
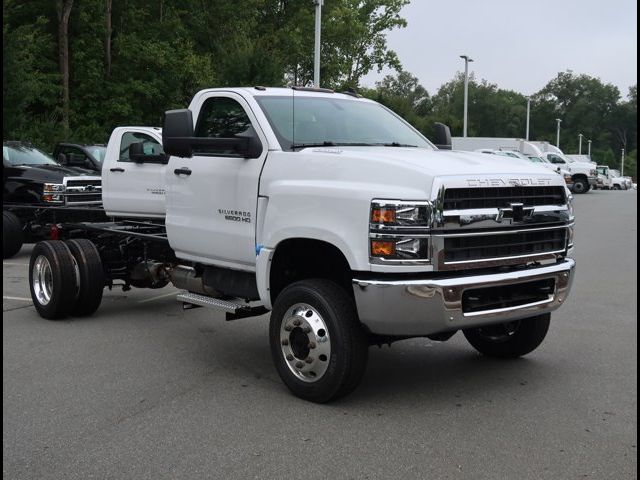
<point x="616" y="187"/>
<point x="510" y="339"/>
<point x="580" y="185"/>
<point x="317" y="343"/>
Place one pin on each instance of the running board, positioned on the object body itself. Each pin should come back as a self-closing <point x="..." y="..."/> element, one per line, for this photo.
<point x="195" y="299"/>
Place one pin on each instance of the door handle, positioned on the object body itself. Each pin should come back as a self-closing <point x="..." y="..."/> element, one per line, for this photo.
<point x="182" y="171"/>
<point x="116" y="169"/>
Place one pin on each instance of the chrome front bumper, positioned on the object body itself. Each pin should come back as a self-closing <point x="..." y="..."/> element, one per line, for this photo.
<point x="426" y="306"/>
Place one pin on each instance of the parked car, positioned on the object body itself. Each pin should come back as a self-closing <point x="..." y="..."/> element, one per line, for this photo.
<point x="617" y="181"/>
<point x="531" y="158"/>
<point x="77" y="155"/>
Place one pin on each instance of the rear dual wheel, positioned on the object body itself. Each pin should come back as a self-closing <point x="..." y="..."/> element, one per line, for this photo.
<point x="65" y="278"/>
<point x="12" y="237"/>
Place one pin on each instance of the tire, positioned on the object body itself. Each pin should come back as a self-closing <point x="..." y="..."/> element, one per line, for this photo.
<point x="616" y="187"/>
<point x="91" y="276"/>
<point x="580" y="185"/>
<point x="326" y="369"/>
<point x="12" y="237"/>
<point x="53" y="279"/>
<point x="511" y="339"/>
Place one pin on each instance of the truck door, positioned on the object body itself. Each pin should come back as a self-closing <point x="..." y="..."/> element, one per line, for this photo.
<point x="212" y="197"/>
<point x="134" y="188"/>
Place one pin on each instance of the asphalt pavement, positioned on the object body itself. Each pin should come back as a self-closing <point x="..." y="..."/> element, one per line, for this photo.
<point x="145" y="390"/>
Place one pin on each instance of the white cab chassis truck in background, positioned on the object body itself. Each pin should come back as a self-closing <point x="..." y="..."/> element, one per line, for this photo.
<point x="332" y="213"/>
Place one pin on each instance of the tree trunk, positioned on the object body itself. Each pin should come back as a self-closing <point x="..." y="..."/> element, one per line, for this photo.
<point x="63" y="8"/>
<point x="107" y="46"/>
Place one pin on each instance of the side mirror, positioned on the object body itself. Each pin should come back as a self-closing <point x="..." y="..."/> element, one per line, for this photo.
<point x="62" y="158"/>
<point x="177" y="133"/>
<point x="136" y="152"/>
<point x="77" y="160"/>
<point x="443" y="136"/>
<point x="253" y="147"/>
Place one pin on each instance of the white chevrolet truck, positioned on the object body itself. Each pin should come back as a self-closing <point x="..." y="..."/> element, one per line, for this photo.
<point x="333" y="214"/>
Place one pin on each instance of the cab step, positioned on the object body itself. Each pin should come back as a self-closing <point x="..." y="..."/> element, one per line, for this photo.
<point x="196" y="299"/>
<point x="234" y="309"/>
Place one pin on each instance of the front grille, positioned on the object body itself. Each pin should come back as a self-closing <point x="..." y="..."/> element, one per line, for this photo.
<point x="470" y="248"/>
<point x="502" y="197"/>
<point x="506" y="296"/>
<point x="83" y="183"/>
<point x="83" y="197"/>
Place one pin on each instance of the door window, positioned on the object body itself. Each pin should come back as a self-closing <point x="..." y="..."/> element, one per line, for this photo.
<point x="150" y="146"/>
<point x="555" y="159"/>
<point x="220" y="117"/>
<point x="74" y="156"/>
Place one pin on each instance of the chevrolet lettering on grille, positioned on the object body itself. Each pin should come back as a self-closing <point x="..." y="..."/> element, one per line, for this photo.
<point x="514" y="182"/>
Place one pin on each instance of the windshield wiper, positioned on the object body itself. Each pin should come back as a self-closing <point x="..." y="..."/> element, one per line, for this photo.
<point x="349" y="144"/>
<point x="395" y="144"/>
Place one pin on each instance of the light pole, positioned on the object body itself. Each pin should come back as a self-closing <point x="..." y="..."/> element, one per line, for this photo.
<point x="316" y="56"/>
<point x="580" y="144"/>
<point x="467" y="59"/>
<point x="622" y="164"/>
<point x="589" y="148"/>
<point x="528" y="115"/>
<point x="558" y="133"/>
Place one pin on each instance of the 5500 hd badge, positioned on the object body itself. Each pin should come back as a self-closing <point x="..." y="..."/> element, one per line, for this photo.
<point x="235" y="215"/>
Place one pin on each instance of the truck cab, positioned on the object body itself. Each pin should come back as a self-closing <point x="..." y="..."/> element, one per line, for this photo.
<point x="134" y="178"/>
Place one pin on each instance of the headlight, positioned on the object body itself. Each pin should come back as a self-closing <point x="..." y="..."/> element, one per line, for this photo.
<point x="567" y="179"/>
<point x="387" y="214"/>
<point x="399" y="232"/>
<point x="53" y="193"/>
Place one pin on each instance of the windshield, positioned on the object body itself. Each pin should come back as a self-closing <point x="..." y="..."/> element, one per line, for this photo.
<point x="320" y="121"/>
<point x="535" y="159"/>
<point x="602" y="170"/>
<point x="97" y="152"/>
<point x="16" y="155"/>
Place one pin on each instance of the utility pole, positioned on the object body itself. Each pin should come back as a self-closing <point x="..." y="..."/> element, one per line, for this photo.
<point x="558" y="133"/>
<point x="467" y="59"/>
<point x="580" y="144"/>
<point x="528" y="115"/>
<point x="622" y="164"/>
<point x="589" y="148"/>
<point x="316" y="57"/>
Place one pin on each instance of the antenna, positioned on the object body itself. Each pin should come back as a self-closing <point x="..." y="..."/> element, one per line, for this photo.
<point x="293" y="117"/>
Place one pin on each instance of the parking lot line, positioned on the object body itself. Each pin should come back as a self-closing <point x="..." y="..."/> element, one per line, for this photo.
<point x="14" y="264"/>
<point x="22" y="299"/>
<point x="157" y="298"/>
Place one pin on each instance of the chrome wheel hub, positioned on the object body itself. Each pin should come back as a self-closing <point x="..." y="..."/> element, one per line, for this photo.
<point x="305" y="342"/>
<point x="42" y="280"/>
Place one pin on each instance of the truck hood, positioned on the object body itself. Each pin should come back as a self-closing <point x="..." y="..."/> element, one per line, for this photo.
<point x="434" y="163"/>
<point x="398" y="172"/>
<point x="49" y="173"/>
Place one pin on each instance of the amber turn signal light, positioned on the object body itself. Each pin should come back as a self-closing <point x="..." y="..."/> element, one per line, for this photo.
<point x="383" y="248"/>
<point x="383" y="215"/>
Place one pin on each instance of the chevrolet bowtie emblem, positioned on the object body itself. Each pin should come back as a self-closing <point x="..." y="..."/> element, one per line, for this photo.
<point x="517" y="212"/>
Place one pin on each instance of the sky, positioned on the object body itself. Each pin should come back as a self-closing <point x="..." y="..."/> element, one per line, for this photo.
<point x="517" y="44"/>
